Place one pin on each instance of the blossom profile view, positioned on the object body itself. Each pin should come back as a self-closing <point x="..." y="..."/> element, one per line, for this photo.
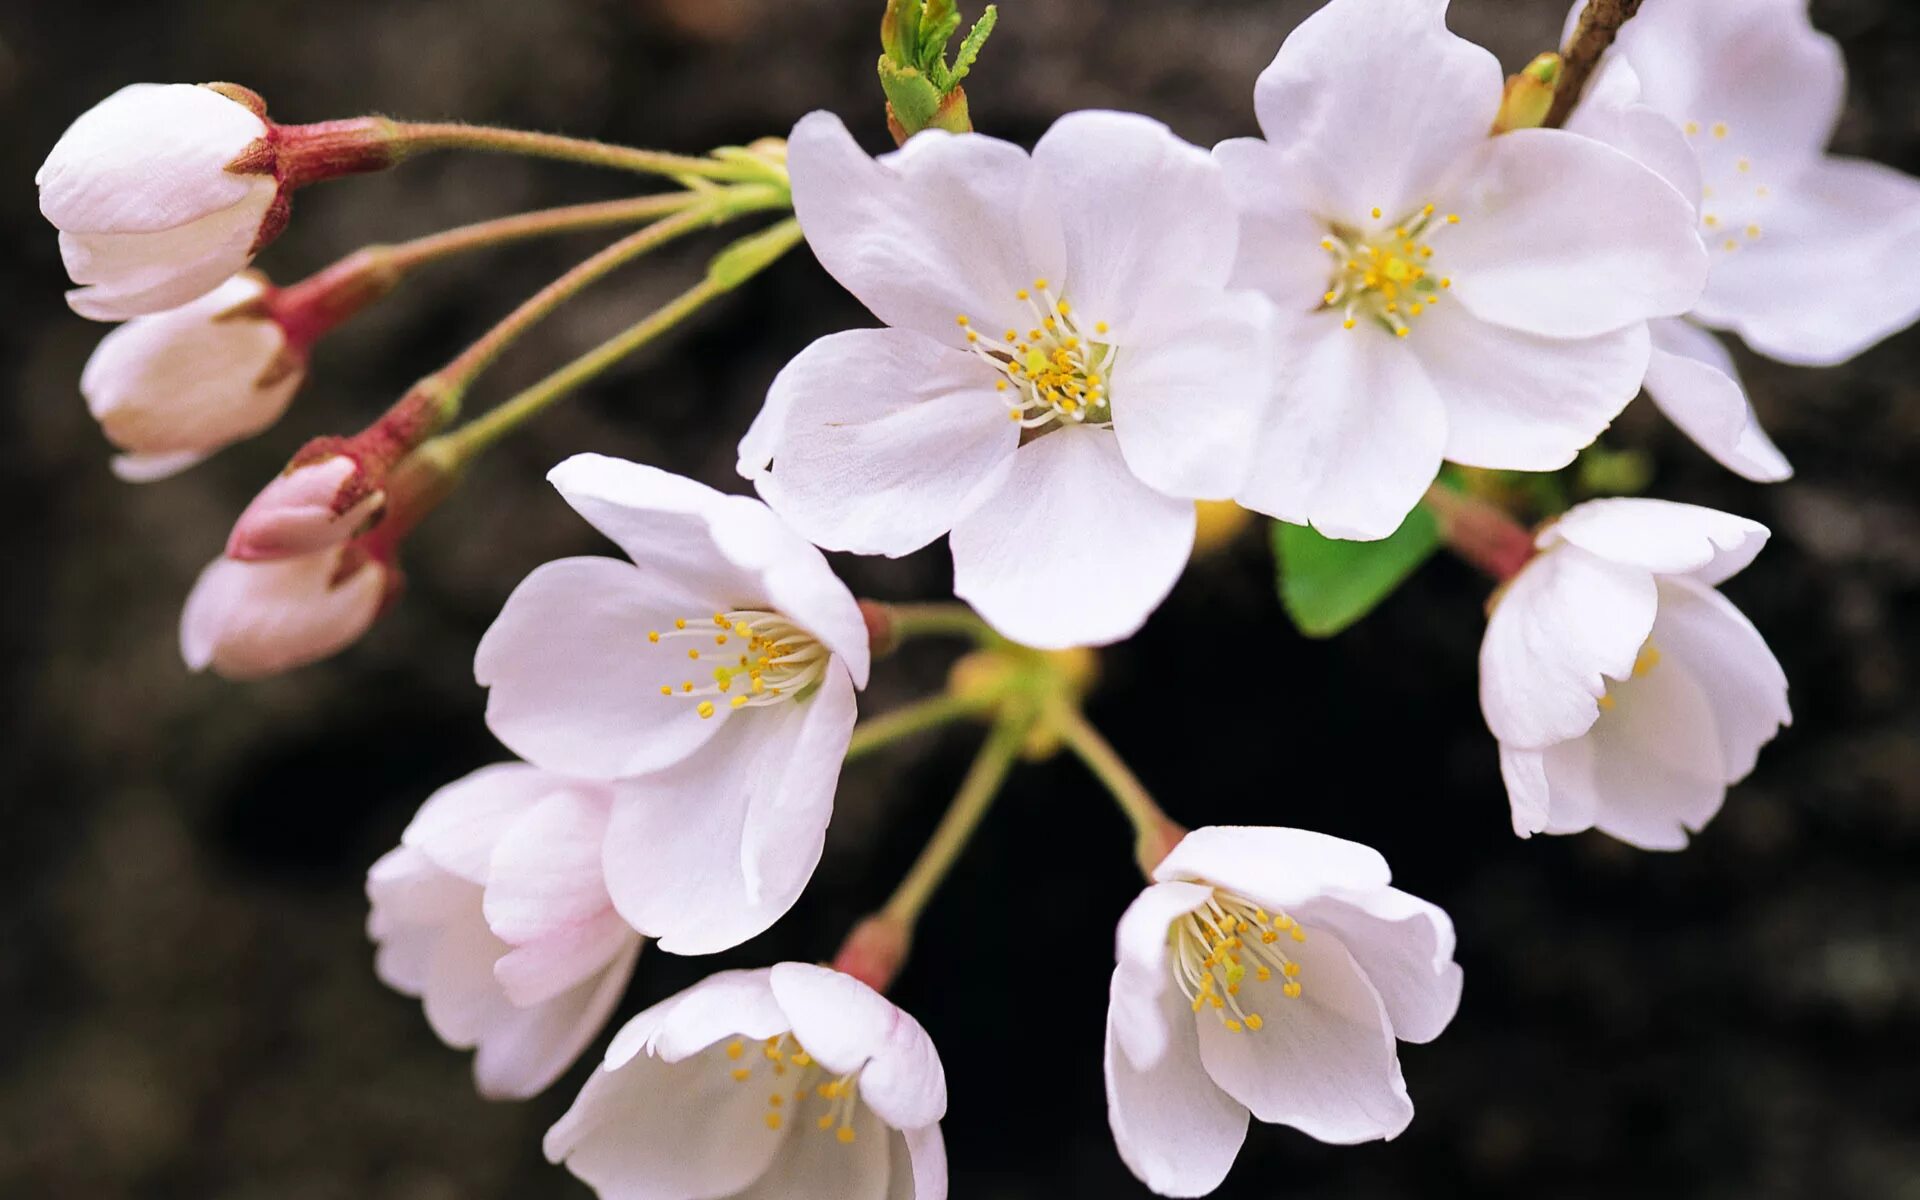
<point x="1394" y="317"/>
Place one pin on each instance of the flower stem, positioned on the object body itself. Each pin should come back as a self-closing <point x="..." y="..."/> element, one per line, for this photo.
<point x="1154" y="832"/>
<point x="415" y="137"/>
<point x="931" y="713"/>
<point x="1599" y="25"/>
<point x="405" y="256"/>
<point x="937" y="620"/>
<point x="1479" y="533"/>
<point x="470" y="440"/>
<point x="970" y="804"/>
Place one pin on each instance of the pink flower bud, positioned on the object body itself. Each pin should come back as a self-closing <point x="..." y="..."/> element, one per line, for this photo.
<point x="310" y="507"/>
<point x="251" y="620"/>
<point x="171" y="388"/>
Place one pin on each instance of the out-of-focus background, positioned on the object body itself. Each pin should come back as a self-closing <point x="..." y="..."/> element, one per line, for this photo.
<point x="186" y="994"/>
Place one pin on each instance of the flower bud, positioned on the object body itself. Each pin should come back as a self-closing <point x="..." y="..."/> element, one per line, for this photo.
<point x="251" y="620"/>
<point x="171" y="388"/>
<point x="308" y="507"/>
<point x="1529" y="95"/>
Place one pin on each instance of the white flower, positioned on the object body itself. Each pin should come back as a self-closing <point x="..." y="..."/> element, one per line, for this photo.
<point x="718" y="669"/>
<point x="156" y="197"/>
<point x="1268" y="970"/>
<point x="1625" y="691"/>
<point x="493" y="912"/>
<point x="252" y="620"/>
<point x="788" y="1083"/>
<point x="1063" y="372"/>
<point x="1458" y="296"/>
<point x="171" y="388"/>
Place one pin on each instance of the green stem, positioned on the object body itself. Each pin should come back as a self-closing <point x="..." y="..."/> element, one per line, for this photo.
<point x="970" y="804"/>
<point x="473" y="438"/>
<point x="415" y="137"/>
<point x="569" y="219"/>
<point x="1154" y="833"/>
<point x="930" y="713"/>
<point x="934" y="620"/>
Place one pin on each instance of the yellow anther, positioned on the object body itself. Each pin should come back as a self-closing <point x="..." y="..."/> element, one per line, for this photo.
<point x="776" y="1100"/>
<point x="1414" y="309"/>
<point x="1753" y="231"/>
<point x="680" y="623"/>
<point x="1021" y="294"/>
<point x="1349" y="323"/>
<point x="1720" y="129"/>
<point x="1297" y="934"/>
<point x="825" y="1122"/>
<point x="1453" y="218"/>
<point x="705" y="709"/>
<point x="739" y="701"/>
<point x="653" y="635"/>
<point x="735" y="1049"/>
<point x="1039" y="285"/>
<point x="1403" y="331"/>
<point x="1329" y="298"/>
<point x="719" y="639"/>
<point x="1290" y="969"/>
<point x="1262" y="974"/>
<point x="1291" y="991"/>
<point x="773" y="1120"/>
<point x="1254" y="1022"/>
<point x="972" y="336"/>
<point x="1233" y="1027"/>
<point x="1099" y="326"/>
<point x="1731" y="244"/>
<point x="803" y="1059"/>
<point x="1710" y="221"/>
<point x="960" y="321"/>
<point x="1376" y="214"/>
<point x="1744" y="165"/>
<point x="693" y="654"/>
<point x="1063" y="309"/>
<point x="1646" y="660"/>
<point x="1607" y="703"/>
<point x="845" y="1135"/>
<point x="687" y="686"/>
<point x="1692" y="127"/>
<point x="1446" y="282"/>
<point x="742" y="1074"/>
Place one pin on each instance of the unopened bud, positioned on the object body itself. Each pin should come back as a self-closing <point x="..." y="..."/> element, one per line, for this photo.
<point x="1529" y="95"/>
<point x="252" y="620"/>
<point x="308" y="507"/>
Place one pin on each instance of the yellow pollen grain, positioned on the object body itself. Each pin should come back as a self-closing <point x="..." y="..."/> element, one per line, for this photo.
<point x="719" y="639"/>
<point x="1254" y="1022"/>
<point x="1291" y="969"/>
<point x="1453" y="218"/>
<point x="742" y="1074"/>
<point x="845" y="1135"/>
<point x="1743" y="166"/>
<point x="1233" y="1027"/>
<point x="738" y="701"/>
<point x="1607" y="703"/>
<point x="693" y="654"/>
<point x="1753" y="231"/>
<point x="1063" y="309"/>
<point x="687" y="686"/>
<point x="1348" y="323"/>
<point x="1291" y="991"/>
<point x="706" y="709"/>
<point x="1731" y="244"/>
<point x="681" y="623"/>
<point x="1039" y="285"/>
<point x="666" y="689"/>
<point x="1376" y="214"/>
<point x="825" y="1122"/>
<point x="773" y="1120"/>
<point x="1720" y="129"/>
<point x="735" y="1049"/>
<point x="960" y="321"/>
<point x="653" y="635"/>
<point x="1711" y="221"/>
<point x="1693" y="127"/>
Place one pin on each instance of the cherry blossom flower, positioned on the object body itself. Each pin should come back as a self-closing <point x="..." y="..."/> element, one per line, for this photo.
<point x="716" y="672"/>
<point x="1062" y="375"/>
<point x="171" y="388"/>
<point x="794" y="1081"/>
<point x="1625" y="691"/>
<point x="1455" y="295"/>
<point x="1267" y="972"/>
<point x="251" y="620"/>
<point x="493" y="911"/>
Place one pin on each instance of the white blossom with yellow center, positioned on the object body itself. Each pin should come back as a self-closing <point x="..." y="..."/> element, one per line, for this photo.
<point x="1267" y="973"/>
<point x="790" y="1081"/>
<point x="1627" y="693"/>
<point x="714" y="675"/>
<point x="1451" y="295"/>
<point x="1063" y="373"/>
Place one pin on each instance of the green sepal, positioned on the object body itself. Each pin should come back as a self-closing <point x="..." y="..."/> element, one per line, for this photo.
<point x="914" y="100"/>
<point x="1326" y="585"/>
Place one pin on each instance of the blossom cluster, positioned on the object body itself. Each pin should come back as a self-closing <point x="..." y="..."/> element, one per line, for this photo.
<point x="1076" y="345"/>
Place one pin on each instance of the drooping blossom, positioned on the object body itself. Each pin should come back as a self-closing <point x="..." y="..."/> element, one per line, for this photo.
<point x="252" y="620"/>
<point x="1062" y="374"/>
<point x="493" y="911"/>
<point x="1267" y="972"/>
<point x="794" y="1081"/>
<point x="715" y="672"/>
<point x="308" y="507"/>
<point x="1452" y="295"/>
<point x="1625" y="691"/>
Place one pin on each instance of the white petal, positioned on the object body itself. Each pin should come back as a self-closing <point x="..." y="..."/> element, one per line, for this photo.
<point x="131" y="274"/>
<point x="1276" y="866"/>
<point x="1143" y="212"/>
<point x="1661" y="536"/>
<point x="672" y="527"/>
<point x="1825" y="279"/>
<point x="880" y="439"/>
<point x="575" y="684"/>
<point x="1565" y="237"/>
<point x="460" y="825"/>
<point x="1355" y="143"/>
<point x="545" y="869"/>
<point x="709" y="853"/>
<point x="1611" y="112"/>
<point x="917" y="1169"/>
<point x="1405" y="946"/>
<point x="1280" y="252"/>
<point x="1190" y="397"/>
<point x="531" y="1047"/>
<point x="724" y="1005"/>
<point x="151" y="468"/>
<point x="815" y="1165"/>
<point x="847" y="1025"/>
<point x="1070" y="549"/>
<point x="1356" y="436"/>
<point x="922" y="236"/>
<point x="1323" y="1062"/>
<point x="1176" y="1131"/>
<point x="544" y="968"/>
<point x="1521" y="402"/>
<point x="1134" y="1013"/>
<point x="1694" y="382"/>
<point x="1567" y="623"/>
<point x="252" y="620"/>
<point x="1722" y="651"/>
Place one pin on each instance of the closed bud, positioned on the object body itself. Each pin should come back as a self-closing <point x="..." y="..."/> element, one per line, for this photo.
<point x="1529" y="95"/>
<point x="251" y="620"/>
<point x="310" y="506"/>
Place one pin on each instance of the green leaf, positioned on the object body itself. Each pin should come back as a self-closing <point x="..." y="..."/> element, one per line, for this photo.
<point x="1327" y="585"/>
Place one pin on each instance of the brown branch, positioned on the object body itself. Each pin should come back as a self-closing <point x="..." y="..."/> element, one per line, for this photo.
<point x="1599" y="24"/>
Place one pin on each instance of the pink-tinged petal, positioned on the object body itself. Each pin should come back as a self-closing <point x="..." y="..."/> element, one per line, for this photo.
<point x="1611" y="112"/>
<point x="1405" y="947"/>
<point x="847" y="1026"/>
<point x="545" y="869"/>
<point x="1356" y="145"/>
<point x="1323" y="1062"/>
<point x="575" y="682"/>
<point x="917" y="1167"/>
<point x="925" y="235"/>
<point x="1661" y="536"/>
<point x="253" y="620"/>
<point x="531" y="1047"/>
<point x="813" y="1164"/>
<point x="1134" y="1015"/>
<point x="1280" y="252"/>
<point x="409" y="899"/>
<point x="880" y="439"/>
<point x="1521" y="402"/>
<point x="1702" y="632"/>
<point x="1568" y="623"/>
<point x="1355" y="437"/>
<point x="301" y="511"/>
<point x="1694" y="382"/>
<point x="1176" y="1131"/>
<point x="1277" y="867"/>
<point x="723" y="1006"/>
<point x="1824" y="279"/>
<point x="1142" y="212"/>
<point x="540" y="970"/>
<point x="461" y="825"/>
<point x="1565" y="237"/>
<point x="1070" y="549"/>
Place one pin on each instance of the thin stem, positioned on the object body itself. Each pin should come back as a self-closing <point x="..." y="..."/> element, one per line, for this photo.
<point x="1599" y="25"/>
<point x="933" y="620"/>
<point x="1479" y="533"/>
<point x="414" y="137"/>
<point x="1154" y="833"/>
<point x="970" y="804"/>
<point x="918" y="717"/>
<point x="470" y="440"/>
<point x="569" y="219"/>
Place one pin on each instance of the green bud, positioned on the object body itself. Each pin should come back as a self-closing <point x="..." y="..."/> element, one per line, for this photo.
<point x="923" y="91"/>
<point x="900" y="31"/>
<point x="752" y="254"/>
<point x="1529" y="95"/>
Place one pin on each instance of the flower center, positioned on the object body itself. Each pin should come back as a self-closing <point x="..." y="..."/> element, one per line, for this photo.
<point x="1385" y="275"/>
<point x="1218" y="947"/>
<point x="1732" y="200"/>
<point x="1054" y="372"/>
<point x="835" y="1099"/>
<point x="1644" y="662"/>
<point x="752" y="657"/>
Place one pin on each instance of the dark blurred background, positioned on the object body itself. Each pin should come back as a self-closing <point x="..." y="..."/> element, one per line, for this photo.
<point x="186" y="994"/>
